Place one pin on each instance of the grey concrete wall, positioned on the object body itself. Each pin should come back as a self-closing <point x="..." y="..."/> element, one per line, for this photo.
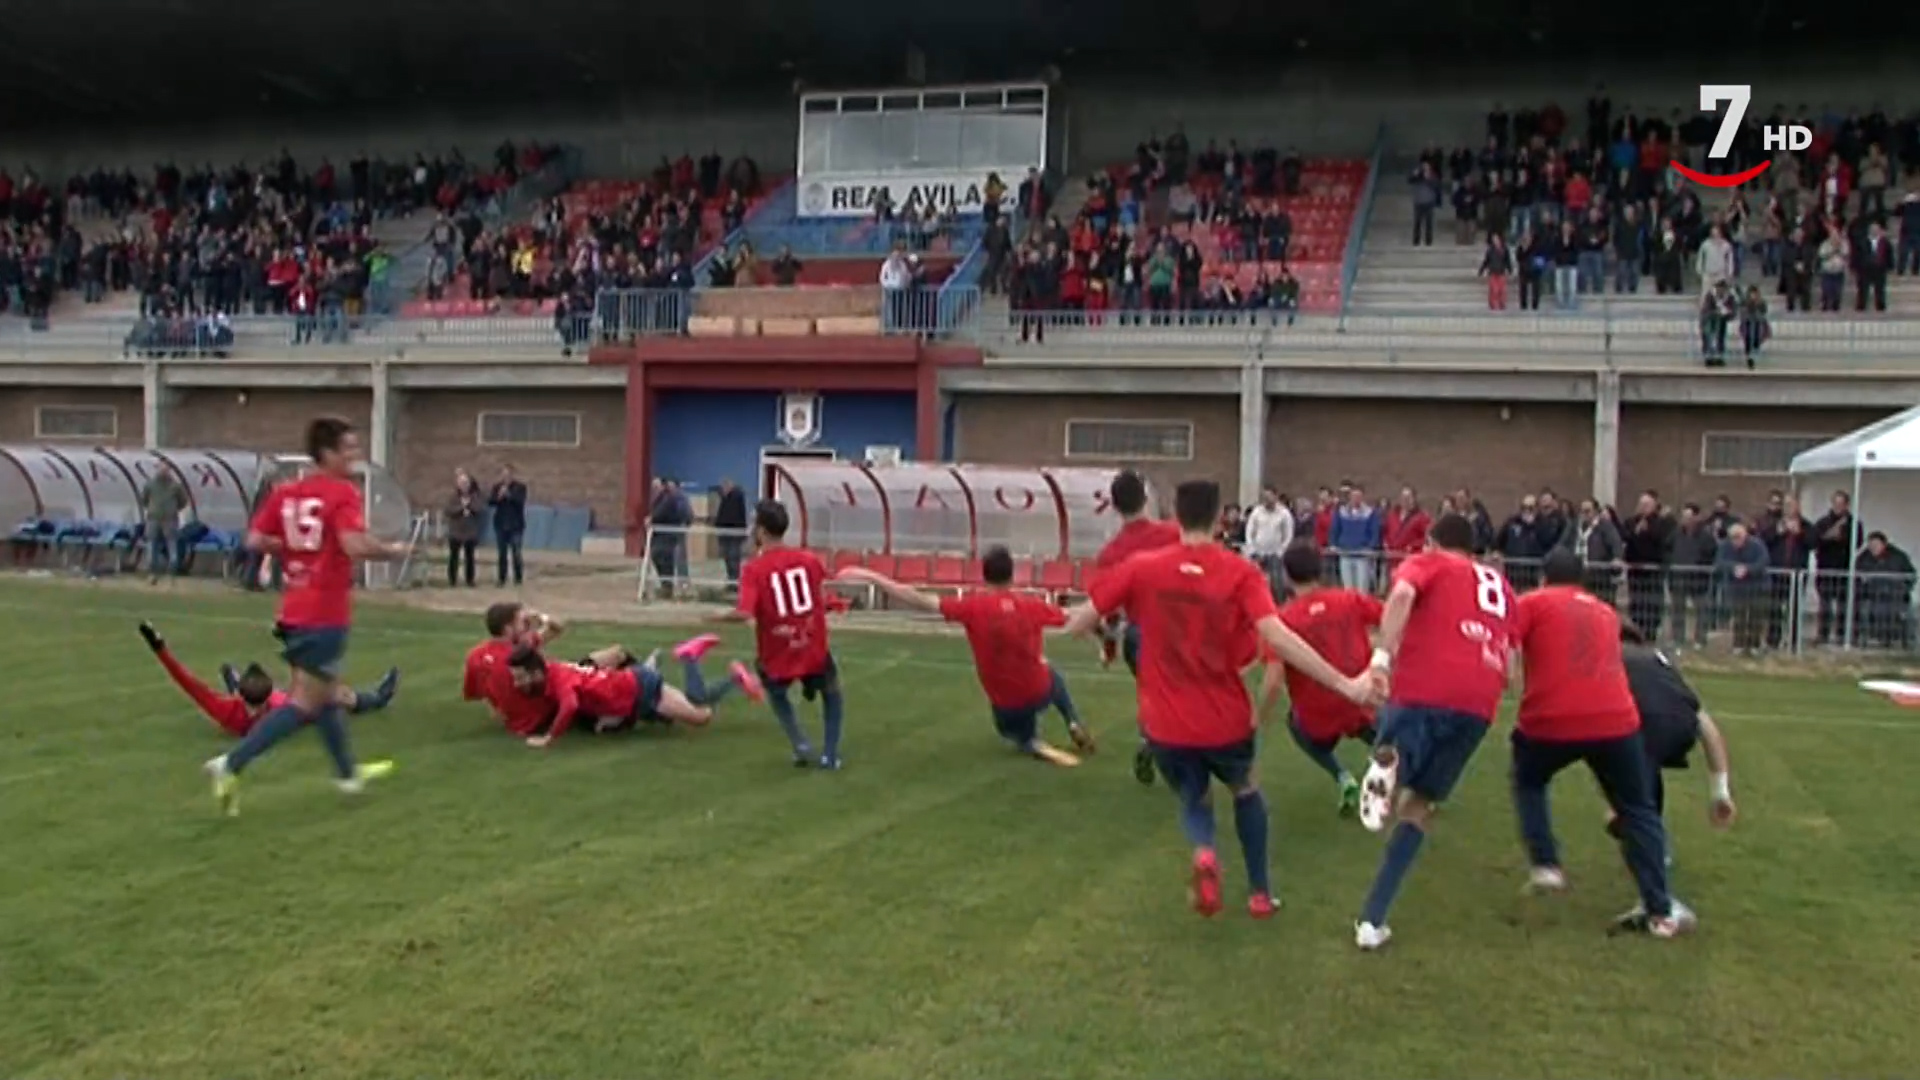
<point x="1321" y="107"/>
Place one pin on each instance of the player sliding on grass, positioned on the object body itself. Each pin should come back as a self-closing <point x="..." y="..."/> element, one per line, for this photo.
<point x="627" y="694"/>
<point x="1004" y="630"/>
<point x="508" y="625"/>
<point x="1138" y="533"/>
<point x="1336" y="623"/>
<point x="251" y="694"/>
<point x="316" y="528"/>
<point x="1198" y="607"/>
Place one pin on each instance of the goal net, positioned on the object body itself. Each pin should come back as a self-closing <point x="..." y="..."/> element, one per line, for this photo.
<point x="922" y="524"/>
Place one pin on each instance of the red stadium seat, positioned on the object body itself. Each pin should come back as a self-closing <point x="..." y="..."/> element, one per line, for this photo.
<point x="884" y="564"/>
<point x="914" y="570"/>
<point x="950" y="570"/>
<point x="846" y="559"/>
<point x="1057" y="575"/>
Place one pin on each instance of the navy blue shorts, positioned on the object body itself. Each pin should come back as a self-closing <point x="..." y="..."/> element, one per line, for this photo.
<point x="1190" y="770"/>
<point x="646" y="704"/>
<point x="827" y="678"/>
<point x="316" y="650"/>
<point x="1365" y="735"/>
<point x="1130" y="648"/>
<point x="1434" y="744"/>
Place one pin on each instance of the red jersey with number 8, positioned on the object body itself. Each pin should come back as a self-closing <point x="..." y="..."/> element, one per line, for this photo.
<point x="309" y="517"/>
<point x="783" y="590"/>
<point x="1453" y="654"/>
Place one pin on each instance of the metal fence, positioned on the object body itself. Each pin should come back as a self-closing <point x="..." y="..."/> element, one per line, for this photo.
<point x="866" y="238"/>
<point x="1363" y="210"/>
<point x="1762" y="610"/>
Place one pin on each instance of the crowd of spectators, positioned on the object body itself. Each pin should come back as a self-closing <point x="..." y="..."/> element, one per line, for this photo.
<point x="1679" y="573"/>
<point x="1578" y="212"/>
<point x="1129" y="253"/>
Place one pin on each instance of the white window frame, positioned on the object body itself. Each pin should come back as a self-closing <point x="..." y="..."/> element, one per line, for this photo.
<point x="480" y="429"/>
<point x="1067" y="438"/>
<point x="1785" y="470"/>
<point x="113" y="423"/>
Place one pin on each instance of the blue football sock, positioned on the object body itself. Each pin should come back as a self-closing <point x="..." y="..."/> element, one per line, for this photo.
<point x="1196" y="818"/>
<point x="1250" y="822"/>
<point x="1402" y="847"/>
<point x="366" y="701"/>
<point x="698" y="690"/>
<point x="833" y="712"/>
<point x="1319" y="755"/>
<point x="1063" y="701"/>
<point x="332" y="725"/>
<point x="272" y="727"/>
<point x="783" y="711"/>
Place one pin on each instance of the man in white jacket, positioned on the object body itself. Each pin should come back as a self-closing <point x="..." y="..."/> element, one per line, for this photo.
<point x="1269" y="532"/>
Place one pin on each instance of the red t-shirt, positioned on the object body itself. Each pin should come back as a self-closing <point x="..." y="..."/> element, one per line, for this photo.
<point x="524" y="713"/>
<point x="575" y="690"/>
<point x="1576" y="680"/>
<point x="1454" y="652"/>
<point x="1004" y="630"/>
<point x="230" y="711"/>
<point x="784" y="591"/>
<point x="1335" y="622"/>
<point x="1134" y="537"/>
<point x="310" y="516"/>
<point x="481" y="660"/>
<point x="1196" y="606"/>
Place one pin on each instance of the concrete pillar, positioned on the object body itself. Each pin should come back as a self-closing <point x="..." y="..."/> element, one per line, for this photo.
<point x="1606" y="438"/>
<point x="153" y="405"/>
<point x="1253" y="429"/>
<point x="380" y="437"/>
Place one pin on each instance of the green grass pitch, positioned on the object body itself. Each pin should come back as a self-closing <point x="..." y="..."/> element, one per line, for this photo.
<point x="689" y="905"/>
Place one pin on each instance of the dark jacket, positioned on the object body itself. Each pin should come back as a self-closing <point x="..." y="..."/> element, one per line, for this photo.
<point x="1835" y="552"/>
<point x="509" y="502"/>
<point x="730" y="512"/>
<point x="1649" y="539"/>
<point x="463" y="516"/>
<point x="1694" y="549"/>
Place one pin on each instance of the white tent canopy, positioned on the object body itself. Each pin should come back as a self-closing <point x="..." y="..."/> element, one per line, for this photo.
<point x="1878" y="467"/>
<point x="1893" y="443"/>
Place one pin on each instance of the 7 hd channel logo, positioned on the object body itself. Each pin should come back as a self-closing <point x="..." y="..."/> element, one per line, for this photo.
<point x="1773" y="137"/>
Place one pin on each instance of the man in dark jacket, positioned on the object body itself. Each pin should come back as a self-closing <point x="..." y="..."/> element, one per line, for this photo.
<point x="1786" y="534"/>
<point x="1883" y="594"/>
<point x="730" y="521"/>
<point x="1742" y="566"/>
<point x="1836" y="536"/>
<point x="1693" y="550"/>
<point x="508" y="499"/>
<point x="1520" y="547"/>
<point x="670" y="516"/>
<point x="1649" y="551"/>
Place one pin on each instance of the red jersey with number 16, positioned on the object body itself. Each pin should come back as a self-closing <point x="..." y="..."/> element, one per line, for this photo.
<point x="783" y="590"/>
<point x="1577" y="687"/>
<point x="1453" y="654"/>
<point x="310" y="516"/>
<point x="1196" y="606"/>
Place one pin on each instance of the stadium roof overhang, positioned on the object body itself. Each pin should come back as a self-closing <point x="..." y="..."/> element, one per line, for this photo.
<point x="114" y="64"/>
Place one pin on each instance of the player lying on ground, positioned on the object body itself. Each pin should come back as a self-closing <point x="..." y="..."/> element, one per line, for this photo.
<point x="509" y="624"/>
<point x="783" y="592"/>
<point x="1198" y="606"/>
<point x="251" y="694"/>
<point x="1004" y="630"/>
<point x="1138" y="532"/>
<point x="626" y="695"/>
<point x="1337" y="623"/>
<point x="1577" y="706"/>
<point x="1672" y="721"/>
<point x="316" y="529"/>
<point x="1444" y="640"/>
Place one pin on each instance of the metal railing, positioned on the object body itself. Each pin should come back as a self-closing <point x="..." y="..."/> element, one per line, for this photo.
<point x="776" y="201"/>
<point x="107" y="339"/>
<point x="1357" y="231"/>
<point x="863" y="238"/>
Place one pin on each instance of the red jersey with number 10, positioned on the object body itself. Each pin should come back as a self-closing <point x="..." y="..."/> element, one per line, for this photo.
<point x="784" y="591"/>
<point x="1453" y="654"/>
<point x="1335" y="622"/>
<point x="1196" y="606"/>
<point x="310" y="516"/>
<point x="1577" y="688"/>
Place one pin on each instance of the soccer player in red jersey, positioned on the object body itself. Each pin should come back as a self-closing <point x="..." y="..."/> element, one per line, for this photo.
<point x="1445" y="638"/>
<point x="625" y="695"/>
<point x="250" y="693"/>
<point x="1579" y="706"/>
<point x="783" y="592"/>
<point x="1138" y="532"/>
<point x="316" y="529"/>
<point x="1336" y="622"/>
<point x="508" y="624"/>
<point x="1198" y="606"/>
<point x="1005" y="631"/>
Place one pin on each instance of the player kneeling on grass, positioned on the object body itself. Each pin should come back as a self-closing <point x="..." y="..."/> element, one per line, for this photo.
<point x="1671" y="723"/>
<point x="1004" y="630"/>
<point x="1578" y="706"/>
<point x="251" y="694"/>
<point x="624" y="697"/>
<point x="1336" y="622"/>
